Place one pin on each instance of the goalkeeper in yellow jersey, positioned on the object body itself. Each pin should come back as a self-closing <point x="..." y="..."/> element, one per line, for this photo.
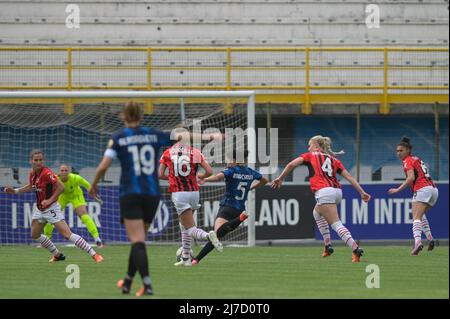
<point x="73" y="194"/>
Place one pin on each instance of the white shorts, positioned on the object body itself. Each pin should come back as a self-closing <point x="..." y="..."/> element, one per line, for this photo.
<point x="427" y="195"/>
<point x="328" y="195"/>
<point x="51" y="215"/>
<point x="185" y="200"/>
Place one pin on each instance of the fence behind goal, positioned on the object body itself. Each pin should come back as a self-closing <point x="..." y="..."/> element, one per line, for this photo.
<point x="76" y="132"/>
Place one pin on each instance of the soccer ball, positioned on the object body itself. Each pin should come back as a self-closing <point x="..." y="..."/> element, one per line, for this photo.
<point x="180" y="252"/>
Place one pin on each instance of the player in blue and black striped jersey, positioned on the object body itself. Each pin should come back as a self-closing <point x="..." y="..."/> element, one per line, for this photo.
<point x="239" y="180"/>
<point x="137" y="149"/>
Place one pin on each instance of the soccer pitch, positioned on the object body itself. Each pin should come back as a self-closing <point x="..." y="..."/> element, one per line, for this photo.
<point x="247" y="273"/>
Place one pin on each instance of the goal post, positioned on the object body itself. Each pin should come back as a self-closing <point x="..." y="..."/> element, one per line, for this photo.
<point x="73" y="127"/>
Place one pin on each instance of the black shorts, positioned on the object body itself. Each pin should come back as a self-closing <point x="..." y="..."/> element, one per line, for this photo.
<point x="138" y="206"/>
<point x="228" y="213"/>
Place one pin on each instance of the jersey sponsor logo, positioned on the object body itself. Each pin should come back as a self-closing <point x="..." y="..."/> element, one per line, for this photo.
<point x="243" y="176"/>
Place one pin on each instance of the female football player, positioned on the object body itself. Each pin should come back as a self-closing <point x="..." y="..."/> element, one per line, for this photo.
<point x="323" y="167"/>
<point x="425" y="193"/>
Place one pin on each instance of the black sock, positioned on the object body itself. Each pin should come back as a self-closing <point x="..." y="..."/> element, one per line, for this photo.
<point x="131" y="266"/>
<point x="140" y="258"/>
<point x="228" y="227"/>
<point x="205" y="251"/>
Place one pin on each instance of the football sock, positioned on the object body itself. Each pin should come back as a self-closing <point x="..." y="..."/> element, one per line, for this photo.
<point x="140" y="260"/>
<point x="48" y="244"/>
<point x="344" y="234"/>
<point x="82" y="244"/>
<point x="426" y="228"/>
<point x="323" y="227"/>
<point x="228" y="227"/>
<point x="417" y="231"/>
<point x="131" y="267"/>
<point x="197" y="233"/>
<point x="186" y="242"/>
<point x="205" y="251"/>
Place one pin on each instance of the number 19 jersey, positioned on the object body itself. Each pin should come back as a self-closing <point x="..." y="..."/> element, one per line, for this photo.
<point x="322" y="170"/>
<point x="137" y="150"/>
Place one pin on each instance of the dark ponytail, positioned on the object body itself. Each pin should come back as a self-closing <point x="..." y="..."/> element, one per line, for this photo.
<point x="405" y="142"/>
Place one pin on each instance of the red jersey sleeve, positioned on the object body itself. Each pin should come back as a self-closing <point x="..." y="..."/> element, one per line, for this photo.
<point x="306" y="157"/>
<point x="339" y="166"/>
<point x="165" y="158"/>
<point x="408" y="164"/>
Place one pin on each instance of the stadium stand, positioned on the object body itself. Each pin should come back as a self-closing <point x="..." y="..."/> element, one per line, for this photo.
<point x="229" y="22"/>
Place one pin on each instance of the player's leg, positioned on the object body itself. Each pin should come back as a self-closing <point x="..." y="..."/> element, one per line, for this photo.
<point x="62" y="227"/>
<point x="234" y="218"/>
<point x="325" y="231"/>
<point x="80" y="210"/>
<point x="209" y="246"/>
<point x="138" y="212"/>
<point x="37" y="225"/>
<point x="418" y="212"/>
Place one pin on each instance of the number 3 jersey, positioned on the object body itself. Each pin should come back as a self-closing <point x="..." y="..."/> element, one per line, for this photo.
<point x="137" y="150"/>
<point x="238" y="180"/>
<point x="322" y="170"/>
<point x="182" y="162"/>
<point x="421" y="174"/>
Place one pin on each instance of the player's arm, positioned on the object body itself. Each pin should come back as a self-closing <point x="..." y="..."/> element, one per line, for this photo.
<point x="276" y="183"/>
<point x="83" y="182"/>
<point x="345" y="174"/>
<point x="216" y="178"/>
<point x="162" y="172"/>
<point x="58" y="190"/>
<point x="263" y="181"/>
<point x="409" y="180"/>
<point x="208" y="170"/>
<point x="11" y="190"/>
<point x="99" y="173"/>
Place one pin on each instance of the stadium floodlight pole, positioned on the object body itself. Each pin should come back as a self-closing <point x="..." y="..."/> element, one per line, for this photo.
<point x="251" y="133"/>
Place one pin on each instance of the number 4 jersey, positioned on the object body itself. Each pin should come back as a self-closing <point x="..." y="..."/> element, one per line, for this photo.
<point x="322" y="170"/>
<point x="421" y="174"/>
<point x="183" y="162"/>
<point x="137" y="149"/>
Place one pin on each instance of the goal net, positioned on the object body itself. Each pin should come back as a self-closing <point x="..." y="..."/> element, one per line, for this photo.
<point x="74" y="128"/>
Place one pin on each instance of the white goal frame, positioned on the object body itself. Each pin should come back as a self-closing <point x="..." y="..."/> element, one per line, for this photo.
<point x="250" y="95"/>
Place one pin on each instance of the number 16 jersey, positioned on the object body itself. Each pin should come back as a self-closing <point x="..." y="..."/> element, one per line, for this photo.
<point x="322" y="170"/>
<point x="183" y="162"/>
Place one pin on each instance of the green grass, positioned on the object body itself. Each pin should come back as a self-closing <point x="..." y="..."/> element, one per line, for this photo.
<point x="260" y="272"/>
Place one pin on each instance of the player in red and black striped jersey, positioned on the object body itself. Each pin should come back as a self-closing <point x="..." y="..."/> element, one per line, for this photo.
<point x="183" y="160"/>
<point x="323" y="167"/>
<point x="47" y="188"/>
<point x="425" y="193"/>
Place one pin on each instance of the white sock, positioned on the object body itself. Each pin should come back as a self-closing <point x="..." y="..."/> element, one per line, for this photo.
<point x="323" y="227"/>
<point x="426" y="228"/>
<point x="417" y="231"/>
<point x="48" y="244"/>
<point x="186" y="243"/>
<point x="345" y="235"/>
<point x="82" y="244"/>
<point x="197" y="233"/>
